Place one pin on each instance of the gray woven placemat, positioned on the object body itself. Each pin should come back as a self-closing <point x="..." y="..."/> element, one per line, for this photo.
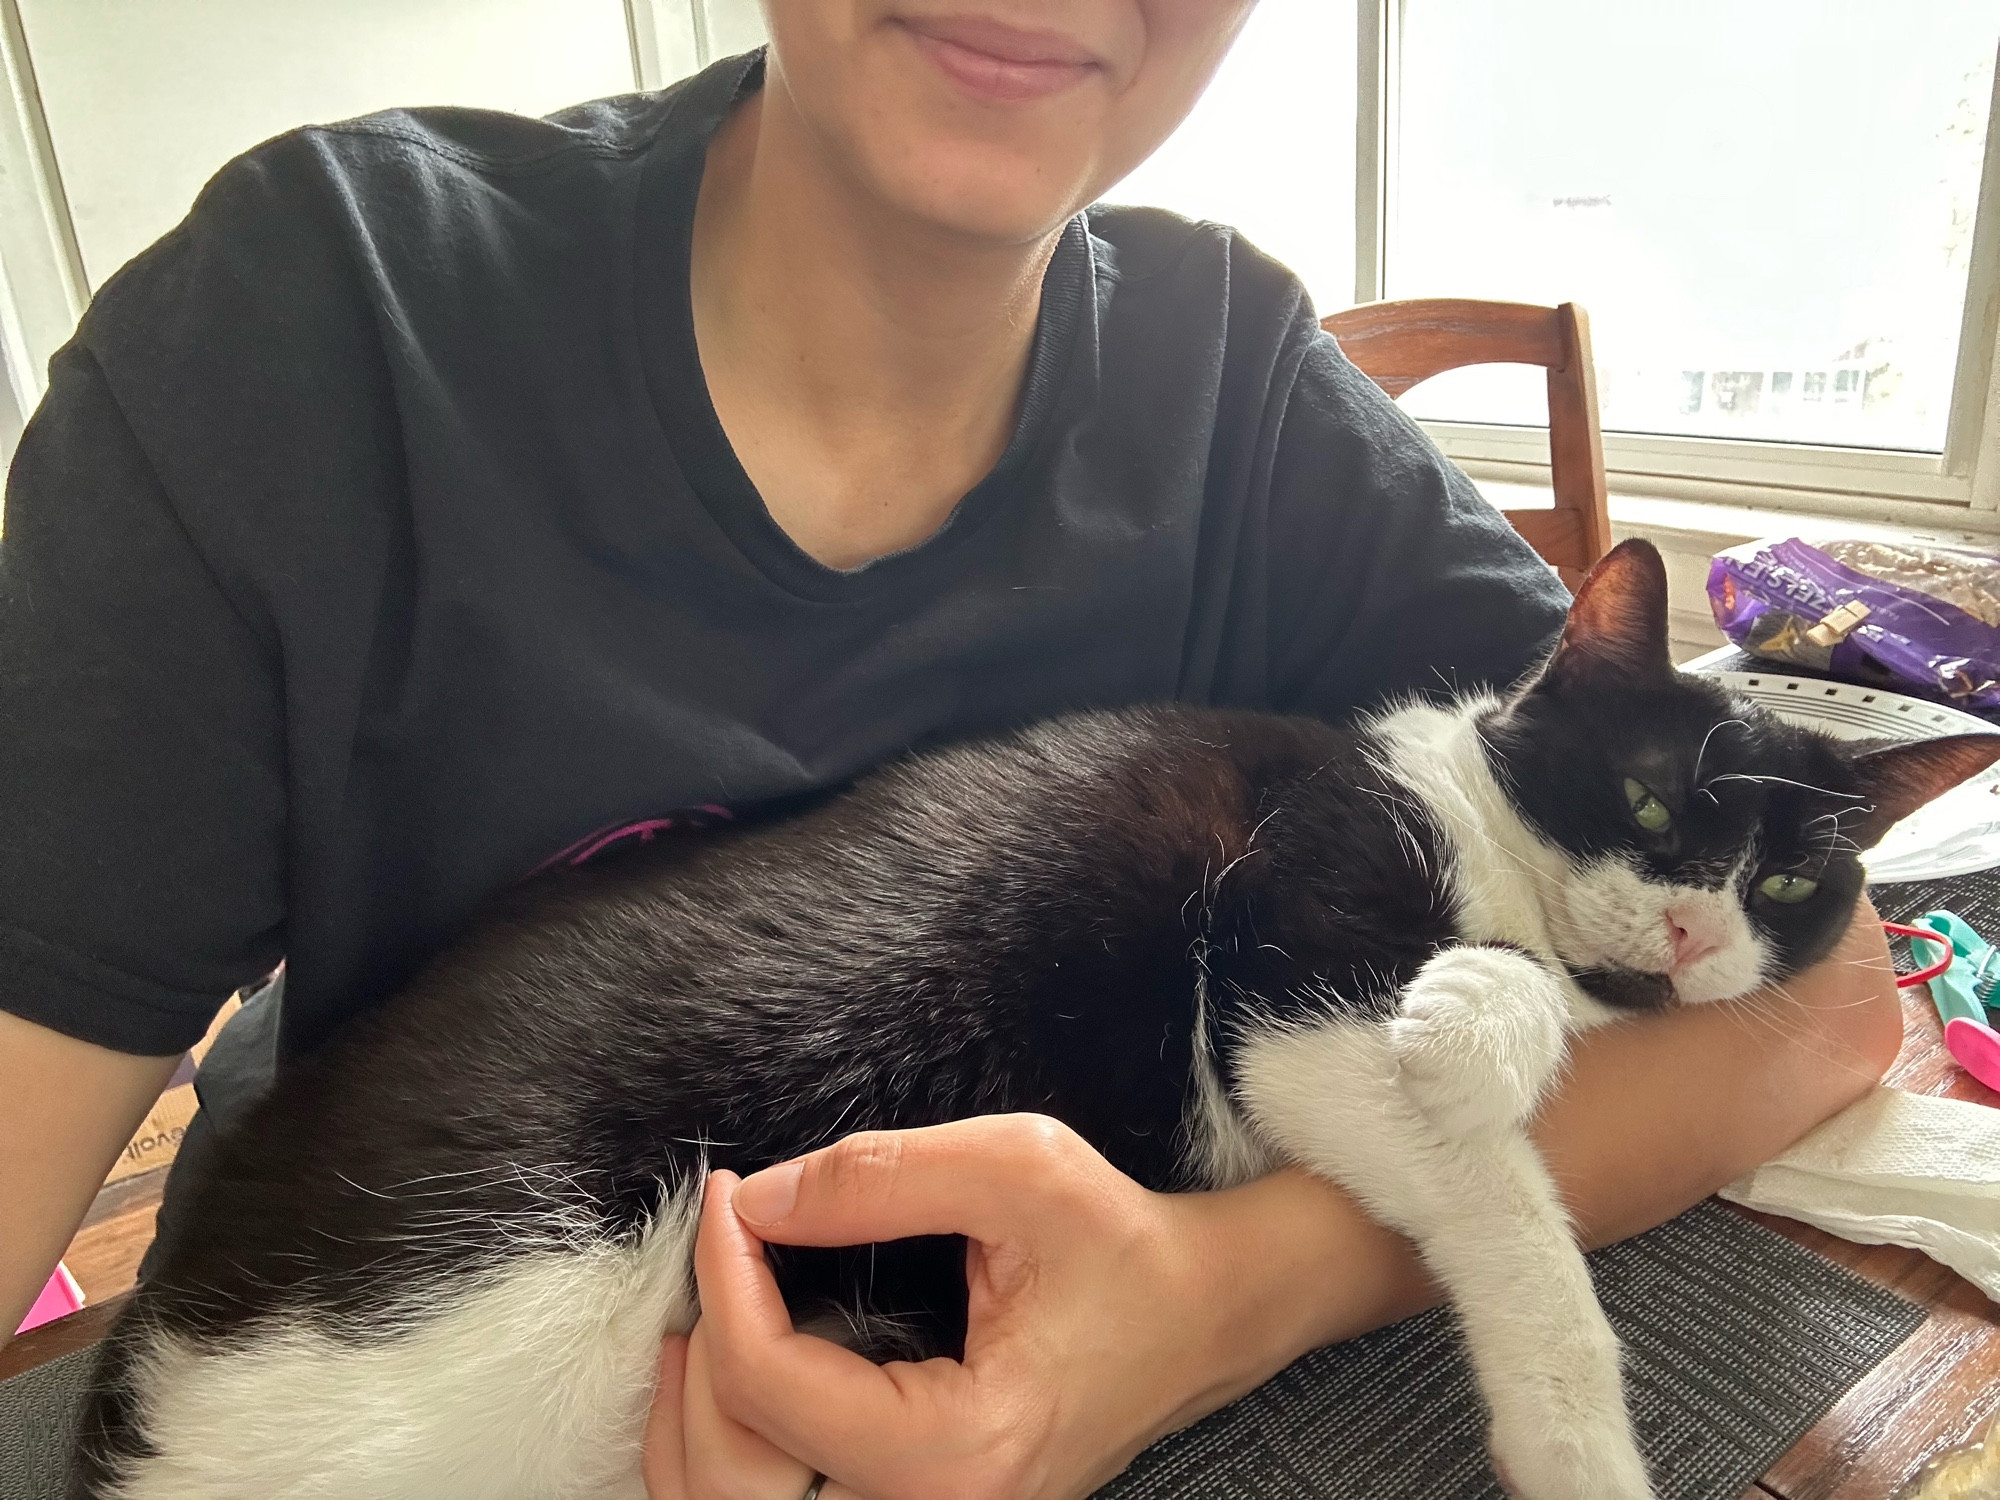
<point x="38" y="1414"/>
<point x="1736" y="1342"/>
<point x="1974" y="897"/>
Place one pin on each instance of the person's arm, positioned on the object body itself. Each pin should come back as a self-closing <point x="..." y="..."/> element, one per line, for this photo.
<point x="141" y="765"/>
<point x="1387" y="573"/>
<point x="66" y="1110"/>
<point x="1652" y="1116"/>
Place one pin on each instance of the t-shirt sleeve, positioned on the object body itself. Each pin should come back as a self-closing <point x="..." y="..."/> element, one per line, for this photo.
<point x="141" y="745"/>
<point x="1388" y="572"/>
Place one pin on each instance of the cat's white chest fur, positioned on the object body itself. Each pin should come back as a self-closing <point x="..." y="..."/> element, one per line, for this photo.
<point x="1503" y="876"/>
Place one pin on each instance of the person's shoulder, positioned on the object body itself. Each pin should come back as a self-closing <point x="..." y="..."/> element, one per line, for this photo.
<point x="494" y="143"/>
<point x="1135" y="241"/>
<point x="481" y="141"/>
<point x="369" y="164"/>
<point x="1202" y="287"/>
<point x="401" y="174"/>
<point x="1139" y="246"/>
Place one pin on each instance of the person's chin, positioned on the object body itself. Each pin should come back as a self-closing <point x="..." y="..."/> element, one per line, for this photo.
<point x="986" y="190"/>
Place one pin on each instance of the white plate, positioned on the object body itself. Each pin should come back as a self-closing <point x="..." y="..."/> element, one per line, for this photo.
<point x="1955" y="835"/>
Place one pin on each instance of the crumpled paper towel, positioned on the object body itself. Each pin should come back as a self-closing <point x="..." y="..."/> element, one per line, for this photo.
<point x="1896" y="1169"/>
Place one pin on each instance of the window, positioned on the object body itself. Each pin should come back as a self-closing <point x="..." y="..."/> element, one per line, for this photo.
<point x="1270" y="147"/>
<point x="144" y="102"/>
<point x="115" y="113"/>
<point x="1813" y="200"/>
<point x="1779" y="217"/>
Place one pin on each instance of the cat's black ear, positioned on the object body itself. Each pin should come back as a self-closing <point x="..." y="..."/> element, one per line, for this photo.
<point x="1617" y="626"/>
<point x="1902" y="778"/>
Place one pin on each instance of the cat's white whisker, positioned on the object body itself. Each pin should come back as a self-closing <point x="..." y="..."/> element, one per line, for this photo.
<point x="1694" y="776"/>
<point x="1803" y="786"/>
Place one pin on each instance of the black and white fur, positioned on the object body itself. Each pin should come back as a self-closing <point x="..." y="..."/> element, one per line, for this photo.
<point x="435" y="1263"/>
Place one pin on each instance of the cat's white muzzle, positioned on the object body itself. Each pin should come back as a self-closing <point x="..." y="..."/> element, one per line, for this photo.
<point x="1610" y="916"/>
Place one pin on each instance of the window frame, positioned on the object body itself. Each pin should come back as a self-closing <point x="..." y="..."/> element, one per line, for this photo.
<point x="1959" y="488"/>
<point x="670" y="39"/>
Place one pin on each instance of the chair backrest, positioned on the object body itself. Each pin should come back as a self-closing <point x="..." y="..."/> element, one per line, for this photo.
<point x="1398" y="344"/>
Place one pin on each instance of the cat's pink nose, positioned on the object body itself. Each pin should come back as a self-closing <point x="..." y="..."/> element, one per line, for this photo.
<point x="1690" y="943"/>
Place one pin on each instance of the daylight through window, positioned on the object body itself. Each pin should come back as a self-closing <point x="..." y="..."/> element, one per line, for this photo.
<point x="1767" y="209"/>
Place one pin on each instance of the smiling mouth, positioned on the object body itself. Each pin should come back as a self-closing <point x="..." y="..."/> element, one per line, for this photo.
<point x="999" y="63"/>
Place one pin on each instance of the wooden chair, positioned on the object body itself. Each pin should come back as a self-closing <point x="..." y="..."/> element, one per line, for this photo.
<point x="1398" y="344"/>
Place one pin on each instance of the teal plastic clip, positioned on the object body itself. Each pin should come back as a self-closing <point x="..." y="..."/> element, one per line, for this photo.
<point x="1960" y="995"/>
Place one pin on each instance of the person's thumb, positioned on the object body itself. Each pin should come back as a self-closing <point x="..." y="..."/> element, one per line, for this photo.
<point x="984" y="1178"/>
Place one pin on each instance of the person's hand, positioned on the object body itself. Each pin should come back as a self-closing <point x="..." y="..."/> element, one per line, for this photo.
<point x="1089" y="1335"/>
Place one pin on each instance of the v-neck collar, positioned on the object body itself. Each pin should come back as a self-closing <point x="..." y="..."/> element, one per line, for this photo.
<point x="664" y="313"/>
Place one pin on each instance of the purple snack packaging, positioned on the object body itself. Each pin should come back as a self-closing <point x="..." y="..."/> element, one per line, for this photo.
<point x="1910" y="640"/>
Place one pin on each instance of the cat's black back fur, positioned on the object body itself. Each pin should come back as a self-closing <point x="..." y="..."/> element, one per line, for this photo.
<point x="1010" y="926"/>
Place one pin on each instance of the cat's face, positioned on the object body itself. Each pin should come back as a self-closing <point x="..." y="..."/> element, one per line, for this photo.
<point x="1710" y="847"/>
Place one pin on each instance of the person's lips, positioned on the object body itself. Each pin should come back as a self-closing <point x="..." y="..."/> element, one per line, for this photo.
<point x="994" y="61"/>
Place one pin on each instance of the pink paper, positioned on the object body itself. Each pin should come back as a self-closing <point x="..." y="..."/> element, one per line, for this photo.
<point x="61" y="1297"/>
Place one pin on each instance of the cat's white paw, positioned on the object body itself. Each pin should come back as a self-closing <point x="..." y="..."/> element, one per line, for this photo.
<point x="1477" y="1038"/>
<point x="1541" y="1459"/>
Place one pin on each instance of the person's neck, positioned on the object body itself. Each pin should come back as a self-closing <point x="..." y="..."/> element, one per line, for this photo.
<point x="866" y="367"/>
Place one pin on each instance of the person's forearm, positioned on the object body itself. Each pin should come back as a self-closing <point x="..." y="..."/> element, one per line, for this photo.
<point x="66" y="1110"/>
<point x="1292" y="1263"/>
<point x="1652" y="1116"/>
<point x="1656" y="1114"/>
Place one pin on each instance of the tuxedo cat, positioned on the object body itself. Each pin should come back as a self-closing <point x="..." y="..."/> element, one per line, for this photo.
<point x="436" y="1261"/>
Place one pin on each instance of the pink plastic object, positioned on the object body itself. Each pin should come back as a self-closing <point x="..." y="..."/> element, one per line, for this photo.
<point x="1977" y="1049"/>
<point x="61" y="1297"/>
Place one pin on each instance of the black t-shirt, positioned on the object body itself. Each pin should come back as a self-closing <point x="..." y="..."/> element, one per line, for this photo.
<point x="377" y="539"/>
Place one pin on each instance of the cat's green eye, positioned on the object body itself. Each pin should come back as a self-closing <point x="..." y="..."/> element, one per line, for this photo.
<point x="1647" y="810"/>
<point x="1788" y="889"/>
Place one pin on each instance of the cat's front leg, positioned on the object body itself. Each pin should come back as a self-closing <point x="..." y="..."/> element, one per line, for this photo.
<point x="1334" y="1096"/>
<point x="1478" y="1038"/>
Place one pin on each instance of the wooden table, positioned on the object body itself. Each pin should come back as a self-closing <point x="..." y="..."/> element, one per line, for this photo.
<point x="1933" y="1393"/>
<point x="1942" y="1384"/>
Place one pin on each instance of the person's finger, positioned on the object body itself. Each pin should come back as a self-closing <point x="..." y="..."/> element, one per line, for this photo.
<point x="723" y="1456"/>
<point x="805" y="1395"/>
<point x="982" y="1178"/>
<point x="662" y="1449"/>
